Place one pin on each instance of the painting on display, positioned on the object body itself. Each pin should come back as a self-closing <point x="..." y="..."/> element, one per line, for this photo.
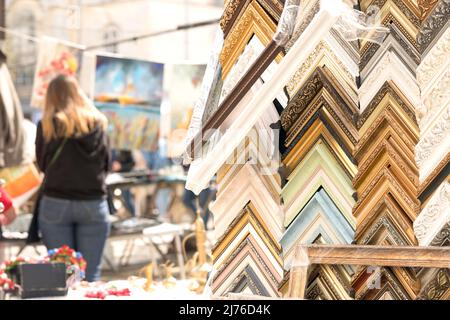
<point x="183" y="91"/>
<point x="131" y="128"/>
<point x="54" y="58"/>
<point x="21" y="182"/>
<point x="129" y="92"/>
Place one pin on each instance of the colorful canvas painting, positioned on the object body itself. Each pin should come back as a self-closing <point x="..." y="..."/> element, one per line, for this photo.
<point x="183" y="91"/>
<point x="129" y="92"/>
<point x="54" y="58"/>
<point x="21" y="182"/>
<point x="131" y="128"/>
<point x="128" y="81"/>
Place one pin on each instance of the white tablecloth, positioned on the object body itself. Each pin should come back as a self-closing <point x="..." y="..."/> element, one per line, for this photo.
<point x="180" y="292"/>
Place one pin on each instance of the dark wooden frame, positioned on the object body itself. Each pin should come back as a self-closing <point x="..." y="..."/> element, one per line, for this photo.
<point x="232" y="100"/>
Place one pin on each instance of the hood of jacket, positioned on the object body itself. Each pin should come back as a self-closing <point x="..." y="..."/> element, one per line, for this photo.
<point x="92" y="144"/>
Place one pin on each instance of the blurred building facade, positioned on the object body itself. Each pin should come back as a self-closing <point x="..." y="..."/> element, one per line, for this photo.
<point x="93" y="22"/>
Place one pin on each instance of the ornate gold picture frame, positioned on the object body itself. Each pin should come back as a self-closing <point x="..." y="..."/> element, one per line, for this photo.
<point x="254" y="21"/>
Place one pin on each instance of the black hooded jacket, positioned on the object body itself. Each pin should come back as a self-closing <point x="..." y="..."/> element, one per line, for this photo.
<point x="79" y="172"/>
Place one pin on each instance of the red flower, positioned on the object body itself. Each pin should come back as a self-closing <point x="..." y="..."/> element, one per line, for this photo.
<point x="96" y="294"/>
<point x="116" y="292"/>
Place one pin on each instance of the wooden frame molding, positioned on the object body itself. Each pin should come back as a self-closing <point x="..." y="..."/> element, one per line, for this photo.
<point x="249" y="217"/>
<point x="202" y="169"/>
<point x="234" y="8"/>
<point x="432" y="25"/>
<point x="254" y="21"/>
<point x="342" y="105"/>
<point x="411" y="8"/>
<point x="395" y="14"/>
<point x="386" y="256"/>
<point x="233" y="98"/>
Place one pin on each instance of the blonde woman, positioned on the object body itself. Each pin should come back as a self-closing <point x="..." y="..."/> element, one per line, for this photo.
<point x="72" y="150"/>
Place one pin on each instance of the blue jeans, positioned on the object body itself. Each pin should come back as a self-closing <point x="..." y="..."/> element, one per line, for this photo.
<point x="206" y="195"/>
<point x="128" y="201"/>
<point x="82" y="225"/>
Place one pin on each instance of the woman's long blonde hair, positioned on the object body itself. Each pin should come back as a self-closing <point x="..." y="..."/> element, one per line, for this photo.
<point x="68" y="112"/>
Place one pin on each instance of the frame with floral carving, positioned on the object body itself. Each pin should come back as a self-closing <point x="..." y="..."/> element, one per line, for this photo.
<point x="420" y="8"/>
<point x="394" y="12"/>
<point x="325" y="91"/>
<point x="234" y="9"/>
<point x="254" y="22"/>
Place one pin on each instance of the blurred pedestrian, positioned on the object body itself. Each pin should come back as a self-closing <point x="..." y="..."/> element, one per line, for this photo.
<point x="72" y="150"/>
<point x="123" y="161"/>
<point x="204" y="198"/>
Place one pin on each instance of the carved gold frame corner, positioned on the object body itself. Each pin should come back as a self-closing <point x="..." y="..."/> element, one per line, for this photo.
<point x="234" y="9"/>
<point x="254" y="21"/>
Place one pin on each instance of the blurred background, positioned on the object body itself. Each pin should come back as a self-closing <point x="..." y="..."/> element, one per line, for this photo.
<point x="94" y="22"/>
<point x="152" y="191"/>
